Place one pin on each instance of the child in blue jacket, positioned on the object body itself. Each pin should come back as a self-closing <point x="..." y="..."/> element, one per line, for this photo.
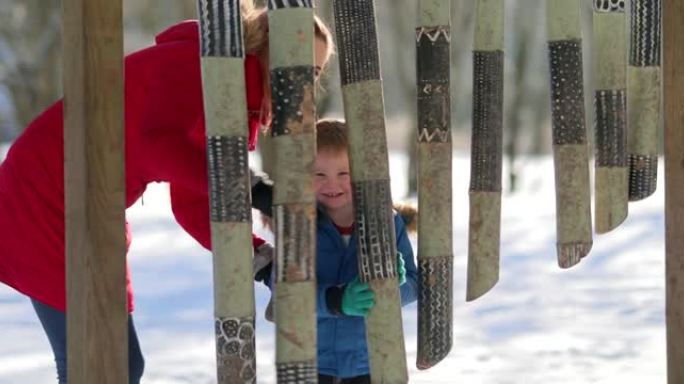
<point x="343" y="301"/>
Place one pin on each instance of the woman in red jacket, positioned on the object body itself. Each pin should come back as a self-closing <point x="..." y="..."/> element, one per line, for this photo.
<point x="164" y="124"/>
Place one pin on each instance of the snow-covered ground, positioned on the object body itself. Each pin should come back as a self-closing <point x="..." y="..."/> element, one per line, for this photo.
<point x="601" y="321"/>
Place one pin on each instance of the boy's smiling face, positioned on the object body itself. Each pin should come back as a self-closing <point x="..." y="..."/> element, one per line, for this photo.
<point x="332" y="180"/>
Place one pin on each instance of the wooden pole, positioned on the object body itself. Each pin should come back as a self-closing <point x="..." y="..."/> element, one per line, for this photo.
<point x="673" y="62"/>
<point x="435" y="229"/>
<point x="94" y="192"/>
<point x="223" y="86"/>
<point x="291" y="27"/>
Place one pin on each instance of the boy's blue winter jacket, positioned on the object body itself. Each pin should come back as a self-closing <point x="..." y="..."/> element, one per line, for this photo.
<point x="342" y="349"/>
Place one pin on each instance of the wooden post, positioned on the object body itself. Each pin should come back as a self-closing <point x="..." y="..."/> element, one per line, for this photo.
<point x="223" y="87"/>
<point x="94" y="192"/>
<point x="291" y="47"/>
<point x="673" y="62"/>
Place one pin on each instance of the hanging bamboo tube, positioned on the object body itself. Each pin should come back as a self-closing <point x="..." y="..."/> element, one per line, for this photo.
<point x="435" y="237"/>
<point x="294" y="143"/>
<point x="643" y="97"/>
<point x="610" y="114"/>
<point x="486" y="149"/>
<point x="223" y="84"/>
<point x="570" y="149"/>
<point x="673" y="82"/>
<point x="94" y="184"/>
<point x="364" y="111"/>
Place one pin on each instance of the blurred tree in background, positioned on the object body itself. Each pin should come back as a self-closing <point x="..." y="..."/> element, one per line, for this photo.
<point x="30" y="53"/>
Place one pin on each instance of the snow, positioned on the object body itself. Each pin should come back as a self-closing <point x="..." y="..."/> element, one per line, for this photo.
<point x="601" y="321"/>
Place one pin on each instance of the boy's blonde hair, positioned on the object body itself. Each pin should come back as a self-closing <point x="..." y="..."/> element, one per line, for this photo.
<point x="255" y="29"/>
<point x="332" y="135"/>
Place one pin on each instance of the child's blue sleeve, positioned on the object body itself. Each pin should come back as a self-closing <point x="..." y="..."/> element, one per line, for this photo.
<point x="322" y="309"/>
<point x="409" y="290"/>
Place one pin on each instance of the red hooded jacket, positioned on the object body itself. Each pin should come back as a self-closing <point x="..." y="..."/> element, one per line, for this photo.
<point x="164" y="143"/>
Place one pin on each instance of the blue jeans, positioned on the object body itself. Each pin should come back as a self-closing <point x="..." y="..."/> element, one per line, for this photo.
<point x="54" y="323"/>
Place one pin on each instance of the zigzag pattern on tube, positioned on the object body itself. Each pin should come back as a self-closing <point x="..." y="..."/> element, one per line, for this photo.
<point x="276" y="4"/>
<point x="357" y="40"/>
<point x="229" y="179"/>
<point x="297" y="373"/>
<point x="434" y="101"/>
<point x="235" y="349"/>
<point x="485" y="172"/>
<point x="377" y="258"/>
<point x="610" y="107"/>
<point x="645" y="33"/>
<point x="434" y="302"/>
<point x="567" y="92"/>
<point x="220" y="28"/>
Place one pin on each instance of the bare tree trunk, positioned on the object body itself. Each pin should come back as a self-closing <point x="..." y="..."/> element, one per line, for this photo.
<point x="31" y="68"/>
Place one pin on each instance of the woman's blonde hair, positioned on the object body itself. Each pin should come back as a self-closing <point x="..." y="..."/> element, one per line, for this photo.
<point x="255" y="29"/>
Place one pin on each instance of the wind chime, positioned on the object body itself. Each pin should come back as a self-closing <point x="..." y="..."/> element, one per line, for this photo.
<point x="610" y="114"/>
<point x="486" y="149"/>
<point x="364" y="112"/>
<point x="223" y="84"/>
<point x="643" y="97"/>
<point x="435" y="237"/>
<point x="294" y="142"/>
<point x="570" y="149"/>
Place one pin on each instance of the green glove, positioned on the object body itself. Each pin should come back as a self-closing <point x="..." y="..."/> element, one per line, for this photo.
<point x="357" y="299"/>
<point x="401" y="268"/>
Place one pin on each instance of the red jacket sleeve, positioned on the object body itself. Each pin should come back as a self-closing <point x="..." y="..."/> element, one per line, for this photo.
<point x="192" y="213"/>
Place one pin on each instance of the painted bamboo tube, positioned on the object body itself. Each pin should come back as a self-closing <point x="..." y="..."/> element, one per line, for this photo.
<point x="364" y="111"/>
<point x="486" y="149"/>
<point x="643" y="97"/>
<point x="294" y="144"/>
<point x="570" y="148"/>
<point x="673" y="83"/>
<point x="223" y="84"/>
<point x="435" y="245"/>
<point x="95" y="198"/>
<point x="610" y="114"/>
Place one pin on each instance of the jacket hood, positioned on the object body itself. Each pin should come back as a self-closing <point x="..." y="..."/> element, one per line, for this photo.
<point x="185" y="30"/>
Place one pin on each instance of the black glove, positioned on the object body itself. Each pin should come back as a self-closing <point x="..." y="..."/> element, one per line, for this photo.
<point x="262" y="194"/>
<point x="263" y="262"/>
